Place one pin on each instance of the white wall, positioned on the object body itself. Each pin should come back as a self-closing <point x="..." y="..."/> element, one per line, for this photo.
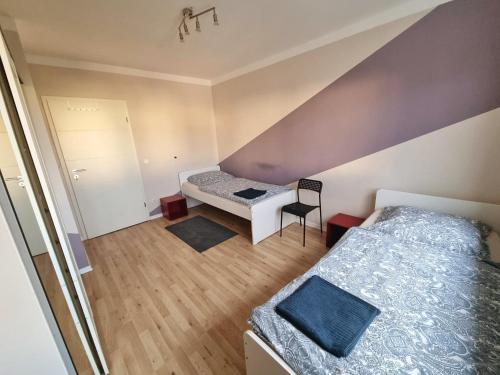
<point x="458" y="161"/>
<point x="168" y="120"/>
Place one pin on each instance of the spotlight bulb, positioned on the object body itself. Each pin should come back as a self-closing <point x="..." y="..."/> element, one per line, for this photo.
<point x="198" y="28"/>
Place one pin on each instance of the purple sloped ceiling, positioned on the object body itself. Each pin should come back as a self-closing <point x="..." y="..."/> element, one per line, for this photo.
<point x="442" y="70"/>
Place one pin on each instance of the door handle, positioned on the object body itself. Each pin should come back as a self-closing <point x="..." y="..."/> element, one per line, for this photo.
<point x="78" y="170"/>
<point x="19" y="179"/>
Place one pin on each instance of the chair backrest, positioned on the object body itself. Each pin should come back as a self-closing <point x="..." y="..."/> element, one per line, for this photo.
<point x="307" y="184"/>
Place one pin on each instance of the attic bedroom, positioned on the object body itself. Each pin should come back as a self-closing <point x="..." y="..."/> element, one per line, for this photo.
<point x="250" y="187"/>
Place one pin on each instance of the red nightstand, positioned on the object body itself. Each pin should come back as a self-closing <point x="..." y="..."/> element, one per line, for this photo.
<point x="338" y="225"/>
<point x="174" y="207"/>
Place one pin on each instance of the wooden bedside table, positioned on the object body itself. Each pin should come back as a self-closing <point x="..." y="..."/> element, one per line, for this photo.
<point x="338" y="225"/>
<point x="174" y="207"/>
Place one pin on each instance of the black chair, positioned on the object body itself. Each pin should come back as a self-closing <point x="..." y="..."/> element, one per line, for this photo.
<point x="300" y="209"/>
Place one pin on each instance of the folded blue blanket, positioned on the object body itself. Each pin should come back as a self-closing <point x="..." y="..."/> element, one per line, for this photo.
<point x="250" y="193"/>
<point x="331" y="317"/>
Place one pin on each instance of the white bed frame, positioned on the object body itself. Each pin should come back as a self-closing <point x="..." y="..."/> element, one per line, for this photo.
<point x="262" y="359"/>
<point x="264" y="216"/>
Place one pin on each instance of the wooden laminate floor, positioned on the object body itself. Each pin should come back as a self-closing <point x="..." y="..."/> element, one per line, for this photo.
<point x="162" y="308"/>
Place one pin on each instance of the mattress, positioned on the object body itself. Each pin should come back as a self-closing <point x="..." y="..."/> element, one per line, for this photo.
<point x="226" y="189"/>
<point x="439" y="310"/>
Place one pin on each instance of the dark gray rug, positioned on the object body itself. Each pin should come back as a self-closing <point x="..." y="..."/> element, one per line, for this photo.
<point x="201" y="233"/>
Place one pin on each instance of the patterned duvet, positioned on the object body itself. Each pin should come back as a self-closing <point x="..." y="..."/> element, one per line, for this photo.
<point x="440" y="310"/>
<point x="226" y="189"/>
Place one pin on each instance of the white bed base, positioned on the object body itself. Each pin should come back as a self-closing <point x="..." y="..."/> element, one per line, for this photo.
<point x="264" y="216"/>
<point x="261" y="359"/>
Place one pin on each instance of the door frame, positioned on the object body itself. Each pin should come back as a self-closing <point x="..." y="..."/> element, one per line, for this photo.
<point x="64" y="168"/>
<point x="26" y="126"/>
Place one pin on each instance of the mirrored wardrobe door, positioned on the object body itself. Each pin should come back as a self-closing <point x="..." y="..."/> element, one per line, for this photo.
<point x="32" y="199"/>
<point x="15" y="184"/>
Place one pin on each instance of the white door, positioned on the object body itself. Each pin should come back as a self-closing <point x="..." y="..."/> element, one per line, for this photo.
<point x="99" y="153"/>
<point x="68" y="275"/>
<point x="17" y="192"/>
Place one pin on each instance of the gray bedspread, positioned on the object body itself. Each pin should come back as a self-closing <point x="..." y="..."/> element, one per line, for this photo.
<point x="226" y="189"/>
<point x="440" y="310"/>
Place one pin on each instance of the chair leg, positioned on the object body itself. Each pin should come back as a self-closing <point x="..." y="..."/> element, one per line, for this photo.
<point x="281" y="222"/>
<point x="304" y="234"/>
<point x="320" y="220"/>
<point x="300" y="220"/>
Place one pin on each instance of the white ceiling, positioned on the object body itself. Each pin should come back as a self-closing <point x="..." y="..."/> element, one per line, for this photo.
<point x="143" y="34"/>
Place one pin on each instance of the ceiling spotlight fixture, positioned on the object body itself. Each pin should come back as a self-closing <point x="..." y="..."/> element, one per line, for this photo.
<point x="188" y="14"/>
<point x="216" y="20"/>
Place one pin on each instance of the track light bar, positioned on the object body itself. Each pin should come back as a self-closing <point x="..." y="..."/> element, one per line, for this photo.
<point x="188" y="14"/>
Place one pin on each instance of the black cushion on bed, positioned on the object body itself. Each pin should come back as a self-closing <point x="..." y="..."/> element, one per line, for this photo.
<point x="331" y="317"/>
<point x="250" y="193"/>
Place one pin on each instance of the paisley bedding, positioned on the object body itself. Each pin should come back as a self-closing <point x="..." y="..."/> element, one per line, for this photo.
<point x="226" y="189"/>
<point x="210" y="177"/>
<point x="440" y="310"/>
<point x="450" y="232"/>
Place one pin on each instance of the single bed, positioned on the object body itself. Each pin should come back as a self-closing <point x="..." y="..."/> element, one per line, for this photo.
<point x="437" y="310"/>
<point x="264" y="216"/>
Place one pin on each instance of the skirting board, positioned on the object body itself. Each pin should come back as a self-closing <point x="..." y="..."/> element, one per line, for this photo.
<point x="85" y="270"/>
<point x="190" y="204"/>
<point x="310" y="225"/>
<point x="157" y="216"/>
